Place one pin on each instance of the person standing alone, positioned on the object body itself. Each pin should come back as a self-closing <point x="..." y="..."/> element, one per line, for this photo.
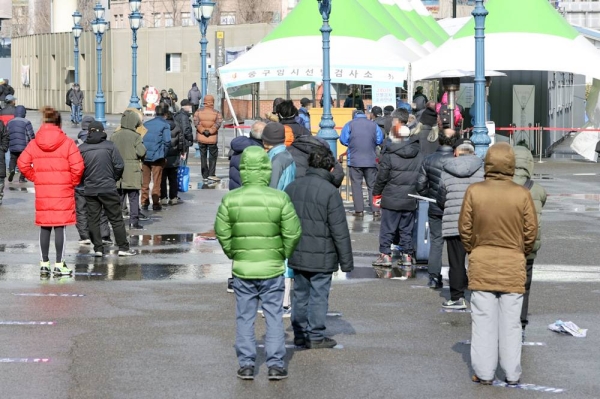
<point x="208" y="121"/>
<point x="76" y="97"/>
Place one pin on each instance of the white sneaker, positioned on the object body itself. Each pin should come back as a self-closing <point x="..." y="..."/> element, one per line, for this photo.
<point x="214" y="178"/>
<point x="129" y="252"/>
<point x="87" y="241"/>
<point x="287" y="312"/>
<point x="98" y="254"/>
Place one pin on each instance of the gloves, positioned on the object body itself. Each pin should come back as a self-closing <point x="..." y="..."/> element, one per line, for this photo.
<point x="377" y="200"/>
<point x="206" y="133"/>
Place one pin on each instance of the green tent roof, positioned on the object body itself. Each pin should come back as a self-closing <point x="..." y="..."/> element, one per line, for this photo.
<point x="431" y="35"/>
<point x="400" y="16"/>
<point x="378" y="11"/>
<point x="521" y="16"/>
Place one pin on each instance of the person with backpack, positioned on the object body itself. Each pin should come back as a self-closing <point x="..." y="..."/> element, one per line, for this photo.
<point x="444" y="113"/>
<point x="20" y="133"/>
<point x="287" y="113"/>
<point x="76" y="100"/>
<point x="523" y="173"/>
<point x="303" y="114"/>
<point x="53" y="163"/>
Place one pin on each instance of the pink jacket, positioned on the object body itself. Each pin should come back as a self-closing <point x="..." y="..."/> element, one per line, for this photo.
<point x="457" y="115"/>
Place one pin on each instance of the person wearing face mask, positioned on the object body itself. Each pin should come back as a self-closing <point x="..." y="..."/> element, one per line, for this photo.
<point x="396" y="179"/>
<point x="76" y="98"/>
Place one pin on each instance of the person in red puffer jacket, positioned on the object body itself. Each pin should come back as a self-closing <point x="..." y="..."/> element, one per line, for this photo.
<point x="54" y="164"/>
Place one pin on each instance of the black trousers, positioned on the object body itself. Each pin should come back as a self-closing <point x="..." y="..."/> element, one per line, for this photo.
<point x="169" y="174"/>
<point x="458" y="273"/>
<point x="12" y="165"/>
<point x="525" y="308"/>
<point x="111" y="204"/>
<point x="134" y="203"/>
<point x="208" y="166"/>
<point x="356" y="178"/>
<point x="82" y="219"/>
<point x="392" y="223"/>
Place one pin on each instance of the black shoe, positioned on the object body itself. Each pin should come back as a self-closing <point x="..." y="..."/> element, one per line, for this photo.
<point x="22" y="179"/>
<point x="300" y="341"/>
<point x="157" y="207"/>
<point x="325" y="343"/>
<point x="144" y="208"/>
<point x="11" y="175"/>
<point x="143" y="217"/>
<point x="136" y="226"/>
<point x="230" y="285"/>
<point x="376" y="215"/>
<point x="513" y="383"/>
<point x="277" y="373"/>
<point x="246" y="373"/>
<point x="358" y="215"/>
<point x="523" y="335"/>
<point x="435" y="282"/>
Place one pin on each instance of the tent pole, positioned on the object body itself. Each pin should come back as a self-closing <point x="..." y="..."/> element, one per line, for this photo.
<point x="235" y="120"/>
<point x="410" y="85"/>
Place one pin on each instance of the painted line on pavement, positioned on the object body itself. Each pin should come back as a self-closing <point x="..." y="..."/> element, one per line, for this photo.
<point x="292" y="346"/>
<point x="584" y="174"/>
<point x="89" y="274"/>
<point x="53" y="295"/>
<point x="27" y="323"/>
<point x="455" y="310"/>
<point x="528" y="387"/>
<point x="468" y="342"/>
<point x="23" y="360"/>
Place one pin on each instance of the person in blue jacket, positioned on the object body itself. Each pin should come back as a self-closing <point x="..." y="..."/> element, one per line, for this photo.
<point x="157" y="141"/>
<point x="362" y="136"/>
<point x="303" y="114"/>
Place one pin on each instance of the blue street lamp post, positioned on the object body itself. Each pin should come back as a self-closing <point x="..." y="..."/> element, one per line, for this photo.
<point x="77" y="29"/>
<point x="135" y="19"/>
<point x="99" y="27"/>
<point x="327" y="125"/>
<point x="480" y="132"/>
<point x="203" y="10"/>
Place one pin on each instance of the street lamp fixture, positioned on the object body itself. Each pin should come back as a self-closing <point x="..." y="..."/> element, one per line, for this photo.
<point x="99" y="27"/>
<point x="480" y="132"/>
<point x="135" y="19"/>
<point x="327" y="125"/>
<point x="203" y="10"/>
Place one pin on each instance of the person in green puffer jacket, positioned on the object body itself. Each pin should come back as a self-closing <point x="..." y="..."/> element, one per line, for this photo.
<point x="258" y="228"/>
<point x="523" y="173"/>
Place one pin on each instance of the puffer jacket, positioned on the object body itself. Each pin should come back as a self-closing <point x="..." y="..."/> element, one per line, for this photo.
<point x="523" y="172"/>
<point x="325" y="244"/>
<point x="430" y="177"/>
<point x="103" y="164"/>
<point x="83" y="133"/>
<point x="304" y="117"/>
<point x="361" y="136"/>
<point x="428" y="137"/>
<point x="7" y="113"/>
<point x="459" y="173"/>
<point x="54" y="165"/>
<point x="283" y="167"/>
<point x="297" y="129"/>
<point x="20" y="130"/>
<point x="129" y="144"/>
<point x="397" y="175"/>
<point x="157" y="139"/>
<point x="174" y="153"/>
<point x="301" y="149"/>
<point x="194" y="95"/>
<point x="238" y="145"/>
<point x="258" y="242"/>
<point x="182" y="118"/>
<point x="498" y="226"/>
<point x="207" y="119"/>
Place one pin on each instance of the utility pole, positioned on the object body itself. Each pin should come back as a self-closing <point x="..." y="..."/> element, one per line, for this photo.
<point x="454" y="8"/>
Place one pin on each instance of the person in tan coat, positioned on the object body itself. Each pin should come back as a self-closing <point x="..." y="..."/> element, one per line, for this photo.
<point x="498" y="227"/>
<point x="208" y="121"/>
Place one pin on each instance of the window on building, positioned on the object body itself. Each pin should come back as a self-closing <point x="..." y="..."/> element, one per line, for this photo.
<point x="116" y="21"/>
<point x="157" y="19"/>
<point x="168" y="19"/>
<point x="121" y="22"/>
<point x="185" y="19"/>
<point x="227" y="18"/>
<point x="174" y="62"/>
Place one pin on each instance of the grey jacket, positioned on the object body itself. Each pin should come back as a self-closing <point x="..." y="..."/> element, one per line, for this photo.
<point x="76" y="97"/>
<point x="459" y="173"/>
<point x="523" y="172"/>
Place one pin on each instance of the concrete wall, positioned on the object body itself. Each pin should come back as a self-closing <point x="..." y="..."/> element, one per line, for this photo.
<point x="62" y="11"/>
<point x="5" y="9"/>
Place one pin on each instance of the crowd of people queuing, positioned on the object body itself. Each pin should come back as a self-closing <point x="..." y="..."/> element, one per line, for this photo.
<point x="400" y="153"/>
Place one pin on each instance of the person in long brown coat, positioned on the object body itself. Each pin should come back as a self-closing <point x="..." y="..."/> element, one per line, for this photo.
<point x="498" y="227"/>
<point x="208" y="121"/>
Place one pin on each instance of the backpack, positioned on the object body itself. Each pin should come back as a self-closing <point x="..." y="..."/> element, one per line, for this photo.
<point x="445" y="116"/>
<point x="289" y="135"/>
<point x="68" y="99"/>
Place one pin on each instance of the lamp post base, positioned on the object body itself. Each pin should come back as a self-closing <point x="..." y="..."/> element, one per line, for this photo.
<point x="99" y="111"/>
<point x="482" y="141"/>
<point x="328" y="133"/>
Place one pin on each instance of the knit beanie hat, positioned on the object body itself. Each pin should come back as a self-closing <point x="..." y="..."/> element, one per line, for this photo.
<point x="429" y="117"/>
<point x="273" y="134"/>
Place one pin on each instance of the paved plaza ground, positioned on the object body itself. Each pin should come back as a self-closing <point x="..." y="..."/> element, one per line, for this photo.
<point x="160" y="324"/>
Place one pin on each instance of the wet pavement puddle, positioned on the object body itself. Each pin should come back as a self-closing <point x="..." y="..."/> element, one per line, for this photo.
<point x="292" y="346"/>
<point x="50" y="295"/>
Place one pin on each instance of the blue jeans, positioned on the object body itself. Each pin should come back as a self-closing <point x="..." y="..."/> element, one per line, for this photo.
<point x="247" y="295"/>
<point x="309" y="304"/>
<point x="76" y="113"/>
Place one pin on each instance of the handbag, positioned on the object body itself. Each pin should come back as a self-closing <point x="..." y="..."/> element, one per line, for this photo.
<point x="183" y="176"/>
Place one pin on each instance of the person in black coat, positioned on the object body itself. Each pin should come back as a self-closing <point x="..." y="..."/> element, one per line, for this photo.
<point x="428" y="185"/>
<point x="20" y="133"/>
<point x="301" y="149"/>
<point x="237" y="147"/>
<point x="398" y="171"/>
<point x="324" y="245"/>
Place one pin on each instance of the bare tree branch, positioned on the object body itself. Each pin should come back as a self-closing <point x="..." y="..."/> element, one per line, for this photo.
<point x="255" y="11"/>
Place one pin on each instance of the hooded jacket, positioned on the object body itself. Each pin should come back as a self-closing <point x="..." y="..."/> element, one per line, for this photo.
<point x="157" y="139"/>
<point x="498" y="226"/>
<point x="361" y="136"/>
<point x="208" y="119"/>
<point x="428" y="137"/>
<point x="457" y="115"/>
<point x="76" y="97"/>
<point x="131" y="148"/>
<point x="430" y="177"/>
<point x="174" y="153"/>
<point x="194" y="95"/>
<point x="238" y="145"/>
<point x="283" y="167"/>
<point x="397" y="175"/>
<point x="54" y="165"/>
<point x="325" y="243"/>
<point x="103" y="164"/>
<point x="301" y="149"/>
<point x="523" y="172"/>
<point x="85" y="125"/>
<point x="20" y="130"/>
<point x="458" y="174"/>
<point x="258" y="242"/>
<point x="304" y="117"/>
